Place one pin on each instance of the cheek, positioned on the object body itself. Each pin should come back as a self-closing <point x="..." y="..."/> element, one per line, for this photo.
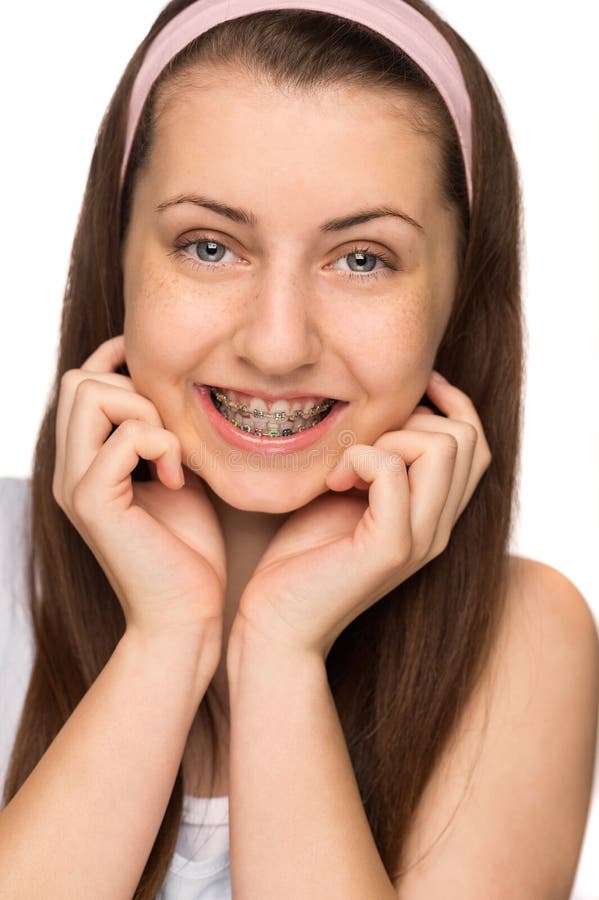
<point x="166" y="307"/>
<point x="395" y="357"/>
<point x="395" y="340"/>
<point x="164" y="321"/>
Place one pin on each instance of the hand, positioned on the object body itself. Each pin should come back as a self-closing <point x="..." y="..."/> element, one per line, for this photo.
<point x="158" y="542"/>
<point x="335" y="557"/>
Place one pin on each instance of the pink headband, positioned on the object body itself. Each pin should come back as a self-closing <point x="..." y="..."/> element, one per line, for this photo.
<point x="395" y="19"/>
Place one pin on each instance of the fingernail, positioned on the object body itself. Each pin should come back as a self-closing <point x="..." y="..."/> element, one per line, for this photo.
<point x="438" y="378"/>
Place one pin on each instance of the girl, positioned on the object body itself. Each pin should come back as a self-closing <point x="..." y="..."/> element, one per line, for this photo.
<point x="280" y="647"/>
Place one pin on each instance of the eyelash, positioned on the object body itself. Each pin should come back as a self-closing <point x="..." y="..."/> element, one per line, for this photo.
<point x="182" y="246"/>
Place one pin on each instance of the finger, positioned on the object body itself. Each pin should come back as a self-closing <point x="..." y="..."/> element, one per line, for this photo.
<point x="107" y="357"/>
<point x="68" y="388"/>
<point x="405" y="509"/>
<point x="361" y="485"/>
<point x="107" y="481"/>
<point x="432" y="458"/>
<point x="455" y="404"/>
<point x="458" y="406"/>
<point x="385" y="527"/>
<point x="154" y="476"/>
<point x="463" y="475"/>
<point x="97" y="407"/>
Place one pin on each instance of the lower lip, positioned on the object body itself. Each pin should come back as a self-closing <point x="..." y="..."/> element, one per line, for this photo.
<point x="245" y="441"/>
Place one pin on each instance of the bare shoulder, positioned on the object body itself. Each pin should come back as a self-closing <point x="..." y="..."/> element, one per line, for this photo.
<point x="505" y="811"/>
<point x="539" y="590"/>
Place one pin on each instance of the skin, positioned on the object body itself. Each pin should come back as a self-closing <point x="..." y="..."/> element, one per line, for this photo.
<point x="281" y="311"/>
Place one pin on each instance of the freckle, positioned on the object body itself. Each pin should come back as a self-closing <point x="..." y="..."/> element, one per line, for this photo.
<point x="162" y="282"/>
<point x="415" y="322"/>
<point x="158" y="288"/>
<point x="419" y="317"/>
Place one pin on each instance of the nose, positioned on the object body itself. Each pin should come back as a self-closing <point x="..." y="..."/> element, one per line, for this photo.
<point x="277" y="333"/>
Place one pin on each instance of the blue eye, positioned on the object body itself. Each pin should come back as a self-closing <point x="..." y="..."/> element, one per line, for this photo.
<point x="213" y="251"/>
<point x="363" y="254"/>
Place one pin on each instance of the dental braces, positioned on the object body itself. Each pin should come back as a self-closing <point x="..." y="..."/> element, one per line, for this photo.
<point x="279" y="414"/>
<point x="269" y="432"/>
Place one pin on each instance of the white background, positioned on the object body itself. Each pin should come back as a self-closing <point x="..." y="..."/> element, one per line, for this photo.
<point x="59" y="67"/>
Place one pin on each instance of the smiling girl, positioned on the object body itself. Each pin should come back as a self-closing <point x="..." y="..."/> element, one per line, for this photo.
<point x="280" y="648"/>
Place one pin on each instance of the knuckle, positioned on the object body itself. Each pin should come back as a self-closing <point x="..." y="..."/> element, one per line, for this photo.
<point x="395" y="462"/>
<point x="80" y="499"/>
<point x="152" y="416"/>
<point x="68" y="377"/>
<point x="470" y="433"/>
<point x="420" y="550"/>
<point x="85" y="386"/>
<point x="128" y="429"/>
<point x="431" y="547"/>
<point x="449" y="444"/>
<point x="84" y="504"/>
<point x="56" y="492"/>
<point x="438" y="546"/>
<point x="402" y="549"/>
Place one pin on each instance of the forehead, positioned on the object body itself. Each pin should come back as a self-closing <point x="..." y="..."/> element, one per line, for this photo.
<point x="231" y="127"/>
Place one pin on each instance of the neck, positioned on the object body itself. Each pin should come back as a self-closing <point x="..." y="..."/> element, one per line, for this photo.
<point x="246" y="534"/>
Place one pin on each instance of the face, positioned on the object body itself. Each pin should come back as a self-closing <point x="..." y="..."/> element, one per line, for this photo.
<point x="279" y="304"/>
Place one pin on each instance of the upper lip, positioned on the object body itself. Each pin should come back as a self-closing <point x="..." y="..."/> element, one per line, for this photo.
<point x="271" y="397"/>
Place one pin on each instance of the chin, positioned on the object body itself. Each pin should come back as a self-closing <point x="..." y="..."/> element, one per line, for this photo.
<point x="274" y="495"/>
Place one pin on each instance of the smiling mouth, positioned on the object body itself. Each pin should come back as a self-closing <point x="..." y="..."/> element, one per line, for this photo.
<point x="269" y="423"/>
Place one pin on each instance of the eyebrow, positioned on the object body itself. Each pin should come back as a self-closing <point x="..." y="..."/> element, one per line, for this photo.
<point x="243" y="217"/>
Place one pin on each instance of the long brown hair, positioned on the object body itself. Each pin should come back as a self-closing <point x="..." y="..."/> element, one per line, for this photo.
<point x="402" y="672"/>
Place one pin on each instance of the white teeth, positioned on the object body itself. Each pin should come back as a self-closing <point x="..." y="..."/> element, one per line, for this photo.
<point x="257" y="403"/>
<point x="282" y="419"/>
<point x="290" y="406"/>
<point x="282" y="406"/>
<point x="311" y="402"/>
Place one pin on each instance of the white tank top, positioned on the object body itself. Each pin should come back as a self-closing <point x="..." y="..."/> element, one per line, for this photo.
<point x="200" y="867"/>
